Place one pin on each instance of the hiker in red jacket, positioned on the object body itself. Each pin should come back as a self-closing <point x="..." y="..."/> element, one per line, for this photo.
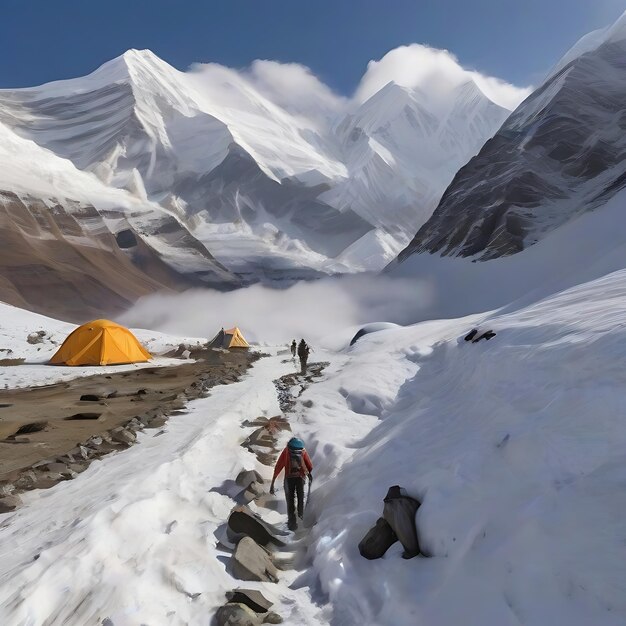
<point x="295" y="460"/>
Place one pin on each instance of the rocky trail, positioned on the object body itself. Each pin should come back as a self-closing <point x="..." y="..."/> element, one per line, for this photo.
<point x="157" y="534"/>
<point x="258" y="550"/>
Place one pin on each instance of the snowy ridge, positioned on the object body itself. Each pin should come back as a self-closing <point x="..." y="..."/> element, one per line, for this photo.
<point x="403" y="147"/>
<point x="63" y="226"/>
<point x="558" y="155"/>
<point x="178" y="139"/>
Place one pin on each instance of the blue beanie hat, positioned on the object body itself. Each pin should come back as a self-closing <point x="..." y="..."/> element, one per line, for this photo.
<point x="295" y="444"/>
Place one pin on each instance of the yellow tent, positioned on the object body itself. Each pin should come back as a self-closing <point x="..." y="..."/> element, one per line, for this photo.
<point x="237" y="340"/>
<point x="100" y="342"/>
<point x="231" y="338"/>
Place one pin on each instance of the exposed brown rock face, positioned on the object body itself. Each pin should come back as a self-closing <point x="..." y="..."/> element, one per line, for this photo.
<point x="75" y="262"/>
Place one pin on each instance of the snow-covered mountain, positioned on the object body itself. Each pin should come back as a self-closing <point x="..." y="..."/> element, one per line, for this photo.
<point x="268" y="190"/>
<point x="560" y="154"/>
<point x="400" y="147"/>
<point x="90" y="248"/>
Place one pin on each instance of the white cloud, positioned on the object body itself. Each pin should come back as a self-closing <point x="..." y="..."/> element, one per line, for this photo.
<point x="273" y="315"/>
<point x="435" y="72"/>
<point x="294" y="87"/>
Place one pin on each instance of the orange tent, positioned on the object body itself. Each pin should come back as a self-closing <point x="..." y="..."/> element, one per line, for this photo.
<point x="231" y="338"/>
<point x="100" y="342"/>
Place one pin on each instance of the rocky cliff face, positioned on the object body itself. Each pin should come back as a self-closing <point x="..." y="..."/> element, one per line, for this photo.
<point x="560" y="154"/>
<point x="78" y="262"/>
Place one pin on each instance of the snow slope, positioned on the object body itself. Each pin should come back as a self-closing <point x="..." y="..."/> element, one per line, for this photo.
<point x="17" y="324"/>
<point x="516" y="448"/>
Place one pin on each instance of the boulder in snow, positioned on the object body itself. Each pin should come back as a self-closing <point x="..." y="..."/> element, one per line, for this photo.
<point x="254" y="491"/>
<point x="251" y="598"/>
<point x="378" y="540"/>
<point x="237" y="614"/>
<point x="246" y="477"/>
<point x="243" y="522"/>
<point x="9" y="503"/>
<point x="121" y="435"/>
<point x="37" y="337"/>
<point x="252" y="562"/>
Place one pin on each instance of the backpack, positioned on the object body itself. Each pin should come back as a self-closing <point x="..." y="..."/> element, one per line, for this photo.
<point x="296" y="463"/>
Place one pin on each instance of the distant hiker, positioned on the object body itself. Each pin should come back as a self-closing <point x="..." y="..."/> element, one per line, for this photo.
<point x="303" y="354"/>
<point x="295" y="460"/>
<point x="294" y="348"/>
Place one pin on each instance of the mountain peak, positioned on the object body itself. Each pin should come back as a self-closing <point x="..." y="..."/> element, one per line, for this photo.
<point x="130" y="63"/>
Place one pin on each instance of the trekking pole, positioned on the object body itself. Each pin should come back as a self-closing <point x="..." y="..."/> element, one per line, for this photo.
<point x="308" y="496"/>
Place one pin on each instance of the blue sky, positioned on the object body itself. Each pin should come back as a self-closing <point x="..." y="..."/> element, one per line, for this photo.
<point x="516" y="40"/>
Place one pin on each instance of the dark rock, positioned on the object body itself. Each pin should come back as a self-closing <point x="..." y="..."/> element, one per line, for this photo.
<point x="399" y="510"/>
<point x="472" y="333"/>
<point x="59" y="468"/>
<point x="9" y="503"/>
<point x="35" y="338"/>
<point x="126" y="239"/>
<point x="260" y="437"/>
<point x="121" y="435"/>
<point x="83" y="416"/>
<point x="27" y="429"/>
<point x="78" y="467"/>
<point x="272" y="618"/>
<point x="242" y="521"/>
<point x="378" y="540"/>
<point x="134" y="425"/>
<point x="26" y="480"/>
<point x="252" y="562"/>
<point x="487" y="335"/>
<point x="253" y="492"/>
<point x="251" y="598"/>
<point x="278" y="423"/>
<point x="236" y="614"/>
<point x="259" y="421"/>
<point x="6" y="489"/>
<point x="89" y="397"/>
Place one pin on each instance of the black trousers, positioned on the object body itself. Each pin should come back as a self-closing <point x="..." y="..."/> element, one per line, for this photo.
<point x="294" y="487"/>
<point x="303" y="360"/>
